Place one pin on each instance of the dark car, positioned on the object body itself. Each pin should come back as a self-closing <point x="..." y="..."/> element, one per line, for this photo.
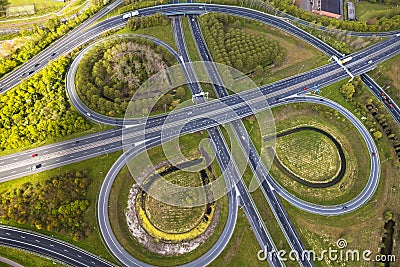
<point x="35" y="167"/>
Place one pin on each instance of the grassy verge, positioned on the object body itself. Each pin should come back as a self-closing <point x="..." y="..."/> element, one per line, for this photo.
<point x="41" y="6"/>
<point x="25" y="258"/>
<point x="163" y="33"/>
<point x="191" y="46"/>
<point x="309" y="155"/>
<point x="366" y="10"/>
<point x="97" y="168"/>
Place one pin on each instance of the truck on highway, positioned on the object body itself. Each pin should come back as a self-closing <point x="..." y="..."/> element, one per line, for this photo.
<point x="346" y="60"/>
<point x="130" y="14"/>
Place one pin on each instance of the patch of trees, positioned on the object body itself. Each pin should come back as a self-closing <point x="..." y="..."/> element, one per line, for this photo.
<point x="38" y="109"/>
<point x="231" y="45"/>
<point x="56" y="204"/>
<point x="109" y="75"/>
<point x="141" y="22"/>
<point x="40" y="38"/>
<point x="382" y="24"/>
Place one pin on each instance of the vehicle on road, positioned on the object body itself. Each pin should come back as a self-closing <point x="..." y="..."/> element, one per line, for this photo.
<point x="35" y="167"/>
<point x="34" y="155"/>
<point x="130" y="14"/>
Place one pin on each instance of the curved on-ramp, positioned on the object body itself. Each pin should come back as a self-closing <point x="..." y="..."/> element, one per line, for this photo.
<point x="373" y="180"/>
<point x="111" y="241"/>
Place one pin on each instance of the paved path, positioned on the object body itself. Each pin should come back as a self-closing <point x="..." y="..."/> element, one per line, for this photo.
<point x="10" y="262"/>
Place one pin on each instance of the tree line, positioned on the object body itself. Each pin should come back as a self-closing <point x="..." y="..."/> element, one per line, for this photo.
<point x="231" y="45"/>
<point x="38" y="109"/>
<point x="56" y="204"/>
<point x="141" y="22"/>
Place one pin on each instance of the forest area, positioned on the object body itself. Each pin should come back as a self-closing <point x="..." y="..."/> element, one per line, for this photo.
<point x="56" y="204"/>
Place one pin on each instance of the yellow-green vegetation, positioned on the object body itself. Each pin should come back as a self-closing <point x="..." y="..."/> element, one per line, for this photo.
<point x="242" y="248"/>
<point x="41" y="6"/>
<point x="309" y="155"/>
<point x="330" y="121"/>
<point x="119" y="197"/>
<point x="38" y="110"/>
<point x="197" y="230"/>
<point x="173" y="219"/>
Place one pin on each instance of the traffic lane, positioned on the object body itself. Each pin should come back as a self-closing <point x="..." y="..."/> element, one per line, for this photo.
<point x="378" y="91"/>
<point x="50" y="247"/>
<point x="229" y="169"/>
<point x="59" y="146"/>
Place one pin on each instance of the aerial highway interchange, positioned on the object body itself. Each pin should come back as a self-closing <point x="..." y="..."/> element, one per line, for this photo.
<point x="206" y="116"/>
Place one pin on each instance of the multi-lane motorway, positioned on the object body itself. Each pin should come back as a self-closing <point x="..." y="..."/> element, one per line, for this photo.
<point x="205" y="115"/>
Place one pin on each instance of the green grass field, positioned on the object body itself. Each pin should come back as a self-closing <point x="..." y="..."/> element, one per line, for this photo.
<point x="163" y="33"/>
<point x="366" y="10"/>
<point x="355" y="176"/>
<point x="309" y="155"/>
<point x="41" y="6"/>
